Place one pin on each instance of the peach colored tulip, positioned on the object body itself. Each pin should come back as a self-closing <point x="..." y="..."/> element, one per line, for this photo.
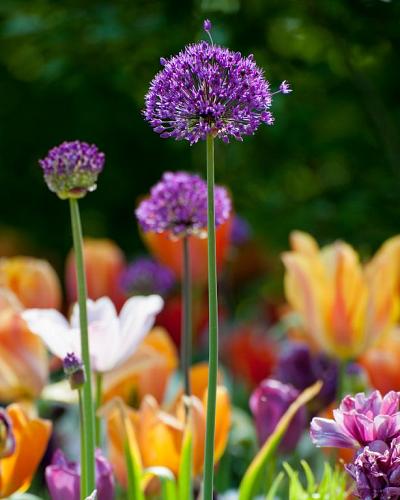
<point x="381" y="361"/>
<point x="104" y="263"/>
<point x="343" y="305"/>
<point x="159" y="433"/>
<point x="31" y="436"/>
<point x="147" y="371"/>
<point x="23" y="359"/>
<point x="33" y="281"/>
<point x="169" y="251"/>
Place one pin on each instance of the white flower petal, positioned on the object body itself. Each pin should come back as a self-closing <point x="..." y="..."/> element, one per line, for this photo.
<point x="104" y="344"/>
<point x="52" y="328"/>
<point x="102" y="309"/>
<point x="136" y="318"/>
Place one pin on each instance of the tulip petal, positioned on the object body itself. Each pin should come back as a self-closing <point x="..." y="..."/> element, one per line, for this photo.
<point x="328" y="433"/>
<point x="53" y="329"/>
<point x="101" y="310"/>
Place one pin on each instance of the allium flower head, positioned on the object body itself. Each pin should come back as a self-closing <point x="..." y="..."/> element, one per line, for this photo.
<point x="178" y="204"/>
<point x="71" y="169"/>
<point x="207" y="89"/>
<point x="145" y="276"/>
<point x="359" y="421"/>
<point x="376" y="471"/>
<point x="74" y="370"/>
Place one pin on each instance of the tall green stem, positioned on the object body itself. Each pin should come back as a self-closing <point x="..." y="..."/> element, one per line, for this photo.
<point x="186" y="336"/>
<point x="87" y="399"/>
<point x="213" y="328"/>
<point x="99" y="393"/>
<point x="84" y="486"/>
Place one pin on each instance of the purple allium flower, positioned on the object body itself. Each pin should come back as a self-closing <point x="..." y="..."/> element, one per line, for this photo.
<point x="178" y="204"/>
<point x="376" y="471"/>
<point x="7" y="438"/>
<point x="207" y="89"/>
<point x="241" y="231"/>
<point x="268" y="402"/>
<point x="63" y="478"/>
<point x="145" y="276"/>
<point x="71" y="169"/>
<point x="301" y="368"/>
<point x="207" y="26"/>
<point x="74" y="370"/>
<point x="359" y="421"/>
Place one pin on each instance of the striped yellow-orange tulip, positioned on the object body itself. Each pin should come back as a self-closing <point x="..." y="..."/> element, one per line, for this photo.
<point x="147" y="371"/>
<point x="23" y="359"/>
<point x="158" y="433"/>
<point x="33" y="281"/>
<point x="344" y="306"/>
<point x="30" y="437"/>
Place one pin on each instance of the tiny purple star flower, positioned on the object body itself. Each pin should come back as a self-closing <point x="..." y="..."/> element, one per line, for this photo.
<point x="207" y="25"/>
<point x="207" y="89"/>
<point x="71" y="169"/>
<point x="178" y="204"/>
<point x="284" y="87"/>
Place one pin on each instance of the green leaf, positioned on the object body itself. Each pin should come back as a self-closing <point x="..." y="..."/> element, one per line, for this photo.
<point x="248" y="485"/>
<point x="274" y="487"/>
<point x="167" y="478"/>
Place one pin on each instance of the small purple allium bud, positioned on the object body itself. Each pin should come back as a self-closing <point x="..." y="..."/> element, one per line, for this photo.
<point x="145" y="276"/>
<point x="268" y="403"/>
<point x="71" y="169"/>
<point x="7" y="439"/>
<point x="209" y="90"/>
<point x="284" y="87"/>
<point x="74" y="370"/>
<point x="207" y="26"/>
<point x="178" y="205"/>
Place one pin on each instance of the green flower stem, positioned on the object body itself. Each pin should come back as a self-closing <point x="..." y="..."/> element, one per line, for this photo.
<point x="88" y="420"/>
<point x="186" y="336"/>
<point x="213" y="328"/>
<point x="83" y="450"/>
<point x="99" y="393"/>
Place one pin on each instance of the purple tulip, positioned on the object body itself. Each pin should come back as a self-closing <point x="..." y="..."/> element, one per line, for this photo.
<point x="63" y="478"/>
<point x="359" y="421"/>
<point x="268" y="403"/>
<point x="298" y="366"/>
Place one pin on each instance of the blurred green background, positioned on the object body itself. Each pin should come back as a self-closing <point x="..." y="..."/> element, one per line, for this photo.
<point x="79" y="70"/>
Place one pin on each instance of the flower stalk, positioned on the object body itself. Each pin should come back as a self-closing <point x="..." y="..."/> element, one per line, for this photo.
<point x="99" y="393"/>
<point x="88" y="483"/>
<point x="186" y="338"/>
<point x="213" y="327"/>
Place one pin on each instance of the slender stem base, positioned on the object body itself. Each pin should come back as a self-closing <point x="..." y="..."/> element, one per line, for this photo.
<point x="84" y="485"/>
<point x="186" y="335"/>
<point x="88" y="420"/>
<point x="213" y="328"/>
<point x="99" y="392"/>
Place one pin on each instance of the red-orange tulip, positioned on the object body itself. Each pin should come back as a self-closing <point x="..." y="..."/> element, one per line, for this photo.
<point x="169" y="251"/>
<point x="33" y="281"/>
<point x="104" y="263"/>
<point x="31" y="437"/>
<point x="23" y="359"/>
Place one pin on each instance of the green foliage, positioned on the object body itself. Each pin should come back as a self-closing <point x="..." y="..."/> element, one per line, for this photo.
<point x="331" y="487"/>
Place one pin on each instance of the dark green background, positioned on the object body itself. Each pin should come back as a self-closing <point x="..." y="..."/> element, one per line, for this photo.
<point x="79" y="70"/>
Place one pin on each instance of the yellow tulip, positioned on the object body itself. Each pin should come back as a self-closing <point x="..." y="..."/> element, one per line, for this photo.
<point x="158" y="433"/>
<point x="30" y="437"/>
<point x="344" y="306"/>
<point x="33" y="281"/>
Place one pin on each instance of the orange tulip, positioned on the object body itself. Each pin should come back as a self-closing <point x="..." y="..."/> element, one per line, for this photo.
<point x="23" y="359"/>
<point x="104" y="263"/>
<point x="33" y="281"/>
<point x="31" y="436"/>
<point x="158" y="433"/>
<point x="343" y="305"/>
<point x="381" y="362"/>
<point x="169" y="251"/>
<point x="147" y="371"/>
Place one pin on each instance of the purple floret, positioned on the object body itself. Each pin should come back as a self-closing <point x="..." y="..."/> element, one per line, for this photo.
<point x="178" y="205"/>
<point x="145" y="276"/>
<point x="207" y="89"/>
<point x="71" y="169"/>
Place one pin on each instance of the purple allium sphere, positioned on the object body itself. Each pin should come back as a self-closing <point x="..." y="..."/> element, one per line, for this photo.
<point x="207" y="89"/>
<point x="71" y="169"/>
<point x="146" y="276"/>
<point x="178" y="205"/>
